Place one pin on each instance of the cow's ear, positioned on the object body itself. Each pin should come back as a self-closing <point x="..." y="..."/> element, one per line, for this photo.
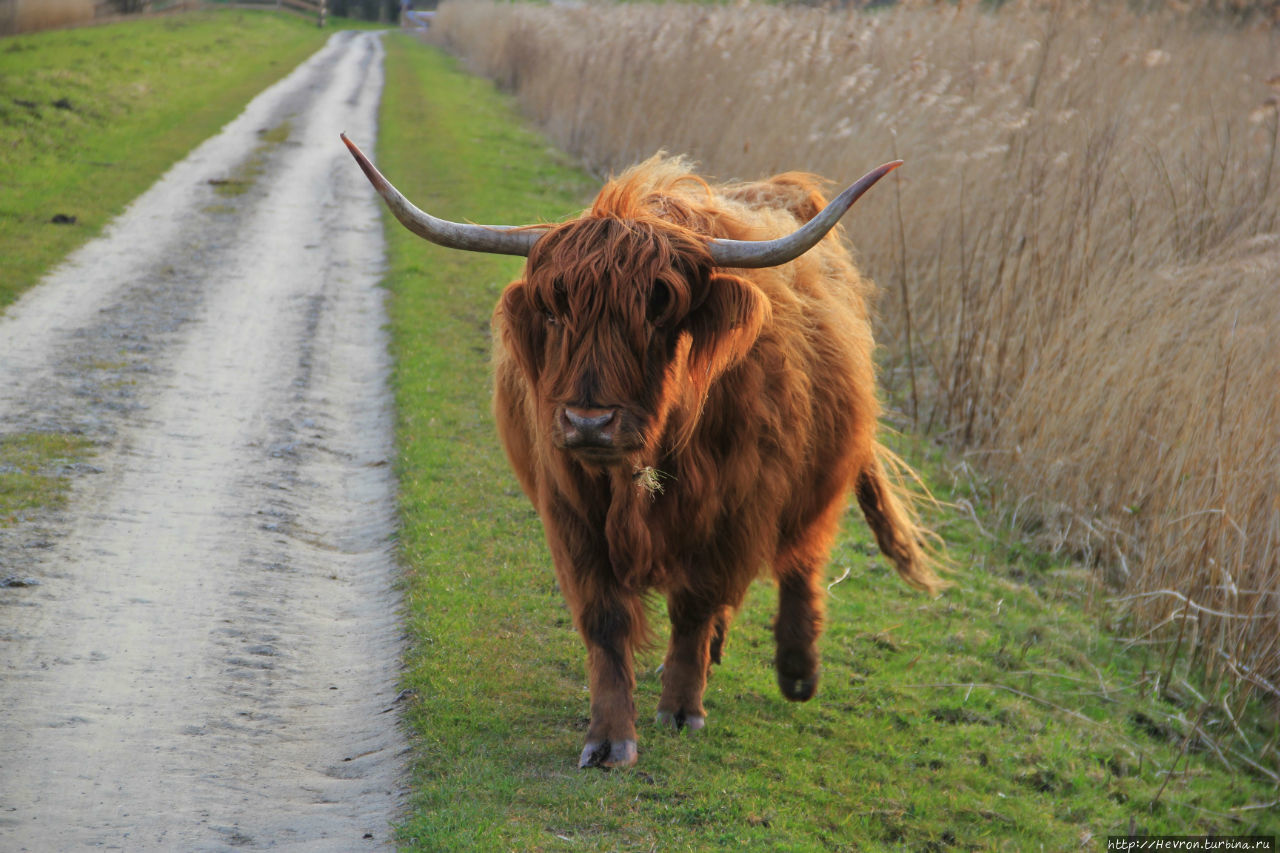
<point x="523" y="331"/>
<point x="725" y="325"/>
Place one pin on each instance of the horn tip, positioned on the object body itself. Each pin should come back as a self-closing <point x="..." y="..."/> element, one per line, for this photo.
<point x="370" y="171"/>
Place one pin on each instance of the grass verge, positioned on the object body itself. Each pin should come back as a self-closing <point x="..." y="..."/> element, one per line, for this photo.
<point x="90" y="118"/>
<point x="997" y="717"/>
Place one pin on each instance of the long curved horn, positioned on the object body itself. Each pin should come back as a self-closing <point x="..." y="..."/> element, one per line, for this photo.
<point x="754" y="254"/>
<point x="495" y="239"/>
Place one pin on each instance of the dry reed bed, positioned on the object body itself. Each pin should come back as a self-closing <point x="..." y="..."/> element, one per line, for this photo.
<point x="25" y="16"/>
<point x="1080" y="260"/>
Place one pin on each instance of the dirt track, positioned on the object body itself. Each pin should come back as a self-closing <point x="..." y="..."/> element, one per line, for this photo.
<point x="203" y="651"/>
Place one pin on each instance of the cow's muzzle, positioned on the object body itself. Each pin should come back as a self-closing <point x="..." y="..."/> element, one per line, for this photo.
<point x="588" y="428"/>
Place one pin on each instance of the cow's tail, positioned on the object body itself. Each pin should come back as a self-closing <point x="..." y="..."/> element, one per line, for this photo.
<point x="889" y="507"/>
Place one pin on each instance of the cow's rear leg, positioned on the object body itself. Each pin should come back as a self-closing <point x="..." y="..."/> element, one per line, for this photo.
<point x="796" y="631"/>
<point x="697" y="636"/>
<point x="802" y="605"/>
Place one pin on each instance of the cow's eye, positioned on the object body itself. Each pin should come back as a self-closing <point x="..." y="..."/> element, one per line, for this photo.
<point x="559" y="304"/>
<point x="659" y="302"/>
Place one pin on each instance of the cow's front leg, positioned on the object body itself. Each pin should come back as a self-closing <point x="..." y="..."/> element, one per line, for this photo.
<point x="609" y="629"/>
<point x="697" y="634"/>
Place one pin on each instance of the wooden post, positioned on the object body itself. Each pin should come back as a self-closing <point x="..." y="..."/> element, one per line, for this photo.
<point x="324" y="7"/>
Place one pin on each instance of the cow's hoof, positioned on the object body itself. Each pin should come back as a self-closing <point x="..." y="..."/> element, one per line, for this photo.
<point x="798" y="689"/>
<point x="797" y="673"/>
<point x="679" y="720"/>
<point x="603" y="753"/>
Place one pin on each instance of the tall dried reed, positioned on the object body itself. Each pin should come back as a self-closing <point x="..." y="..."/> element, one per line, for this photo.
<point x="1080" y="261"/>
<point x="25" y="16"/>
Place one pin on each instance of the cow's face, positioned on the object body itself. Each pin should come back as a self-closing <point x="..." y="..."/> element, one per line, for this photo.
<point x="619" y="324"/>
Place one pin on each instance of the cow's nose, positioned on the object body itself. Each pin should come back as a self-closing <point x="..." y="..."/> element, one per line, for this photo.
<point x="588" y="426"/>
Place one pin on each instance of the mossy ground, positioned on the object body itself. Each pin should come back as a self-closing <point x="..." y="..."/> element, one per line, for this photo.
<point x="34" y="471"/>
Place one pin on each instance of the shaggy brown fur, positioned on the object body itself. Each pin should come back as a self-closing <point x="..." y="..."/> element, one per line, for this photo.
<point x="739" y="410"/>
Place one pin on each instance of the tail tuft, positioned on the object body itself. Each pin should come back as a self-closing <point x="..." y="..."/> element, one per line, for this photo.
<point x="888" y="507"/>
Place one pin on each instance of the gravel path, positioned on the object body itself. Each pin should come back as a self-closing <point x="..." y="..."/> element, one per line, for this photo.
<point x="203" y="650"/>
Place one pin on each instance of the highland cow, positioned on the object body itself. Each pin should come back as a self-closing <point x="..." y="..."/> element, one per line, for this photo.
<point x="685" y="389"/>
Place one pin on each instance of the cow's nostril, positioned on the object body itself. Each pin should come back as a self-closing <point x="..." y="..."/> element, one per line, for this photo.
<point x="588" y="422"/>
<point x="587" y="427"/>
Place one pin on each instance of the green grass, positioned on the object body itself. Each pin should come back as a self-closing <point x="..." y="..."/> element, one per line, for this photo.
<point x="89" y="118"/>
<point x="33" y="471"/>
<point x="998" y="717"/>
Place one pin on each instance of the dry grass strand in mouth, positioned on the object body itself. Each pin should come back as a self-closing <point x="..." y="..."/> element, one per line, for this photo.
<point x="1079" y="260"/>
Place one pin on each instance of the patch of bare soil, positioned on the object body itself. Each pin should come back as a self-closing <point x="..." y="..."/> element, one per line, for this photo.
<point x="204" y="651"/>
